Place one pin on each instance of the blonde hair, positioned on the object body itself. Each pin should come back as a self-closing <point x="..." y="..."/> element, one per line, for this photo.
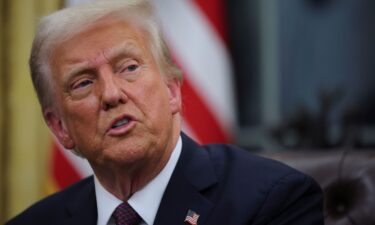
<point x="61" y="25"/>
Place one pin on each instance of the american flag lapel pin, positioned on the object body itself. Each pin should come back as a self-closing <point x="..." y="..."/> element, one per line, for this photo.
<point x="192" y="217"/>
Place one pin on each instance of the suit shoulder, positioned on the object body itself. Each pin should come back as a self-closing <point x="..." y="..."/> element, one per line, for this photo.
<point x="238" y="167"/>
<point x="232" y="157"/>
<point x="260" y="189"/>
<point x="52" y="207"/>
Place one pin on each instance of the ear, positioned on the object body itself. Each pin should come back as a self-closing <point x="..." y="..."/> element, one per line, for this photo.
<point x="174" y="91"/>
<point x="58" y="127"/>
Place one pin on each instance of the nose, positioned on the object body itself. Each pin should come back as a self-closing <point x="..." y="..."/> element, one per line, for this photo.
<point x="112" y="93"/>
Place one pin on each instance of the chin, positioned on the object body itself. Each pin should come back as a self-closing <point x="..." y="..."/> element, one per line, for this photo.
<point x="126" y="154"/>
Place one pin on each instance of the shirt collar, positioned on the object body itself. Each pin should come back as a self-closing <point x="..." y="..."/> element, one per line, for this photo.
<point x="145" y="201"/>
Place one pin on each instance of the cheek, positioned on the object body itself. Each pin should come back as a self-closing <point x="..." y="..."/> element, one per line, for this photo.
<point x="152" y="99"/>
<point x="157" y="96"/>
<point x="82" y="112"/>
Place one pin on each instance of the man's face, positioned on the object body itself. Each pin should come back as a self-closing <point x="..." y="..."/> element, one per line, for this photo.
<point x="112" y="103"/>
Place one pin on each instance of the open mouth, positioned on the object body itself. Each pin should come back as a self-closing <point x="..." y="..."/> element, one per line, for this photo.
<point x="121" y="123"/>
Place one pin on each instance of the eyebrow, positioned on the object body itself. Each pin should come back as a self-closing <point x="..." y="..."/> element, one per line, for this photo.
<point x="123" y="50"/>
<point x="75" y="70"/>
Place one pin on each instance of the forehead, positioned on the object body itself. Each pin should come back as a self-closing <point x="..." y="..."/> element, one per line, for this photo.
<point x="103" y="36"/>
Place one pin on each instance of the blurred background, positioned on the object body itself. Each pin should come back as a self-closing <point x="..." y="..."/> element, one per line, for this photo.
<point x="268" y="75"/>
<point x="304" y="72"/>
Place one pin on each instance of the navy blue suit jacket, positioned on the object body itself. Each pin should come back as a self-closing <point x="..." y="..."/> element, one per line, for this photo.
<point x="223" y="184"/>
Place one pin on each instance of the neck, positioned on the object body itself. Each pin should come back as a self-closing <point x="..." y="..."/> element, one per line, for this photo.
<point x="124" y="180"/>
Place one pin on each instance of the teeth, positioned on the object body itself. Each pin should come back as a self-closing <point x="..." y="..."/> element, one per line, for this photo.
<point x="121" y="122"/>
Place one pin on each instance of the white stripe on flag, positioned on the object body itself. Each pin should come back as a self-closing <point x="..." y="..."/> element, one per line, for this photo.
<point x="202" y="55"/>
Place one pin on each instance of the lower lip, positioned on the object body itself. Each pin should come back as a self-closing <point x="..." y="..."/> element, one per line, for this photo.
<point x="121" y="130"/>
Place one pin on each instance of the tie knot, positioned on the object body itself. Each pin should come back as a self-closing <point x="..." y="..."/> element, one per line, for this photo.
<point x="124" y="214"/>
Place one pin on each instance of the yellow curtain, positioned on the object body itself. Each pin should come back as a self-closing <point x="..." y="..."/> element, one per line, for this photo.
<point x="2" y="111"/>
<point x="27" y="138"/>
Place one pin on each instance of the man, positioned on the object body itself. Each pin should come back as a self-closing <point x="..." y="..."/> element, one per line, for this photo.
<point x="110" y="92"/>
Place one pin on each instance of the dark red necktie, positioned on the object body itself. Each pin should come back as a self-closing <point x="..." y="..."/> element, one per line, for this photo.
<point x="124" y="214"/>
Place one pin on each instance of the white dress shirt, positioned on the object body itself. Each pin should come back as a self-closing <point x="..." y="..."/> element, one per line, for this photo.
<point x="145" y="201"/>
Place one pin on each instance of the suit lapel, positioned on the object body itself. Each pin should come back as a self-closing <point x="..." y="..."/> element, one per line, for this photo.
<point x="193" y="174"/>
<point x="81" y="207"/>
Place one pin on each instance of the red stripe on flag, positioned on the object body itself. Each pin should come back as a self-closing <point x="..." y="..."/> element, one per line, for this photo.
<point x="215" y="11"/>
<point x="200" y="118"/>
<point x="63" y="171"/>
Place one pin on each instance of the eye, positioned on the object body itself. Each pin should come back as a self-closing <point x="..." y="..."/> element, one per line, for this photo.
<point x="132" y="67"/>
<point x="129" y="66"/>
<point x="129" y="69"/>
<point x="81" y="84"/>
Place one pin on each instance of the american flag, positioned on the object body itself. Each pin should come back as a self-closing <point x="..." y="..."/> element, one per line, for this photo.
<point x="192" y="217"/>
<point x="196" y="34"/>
